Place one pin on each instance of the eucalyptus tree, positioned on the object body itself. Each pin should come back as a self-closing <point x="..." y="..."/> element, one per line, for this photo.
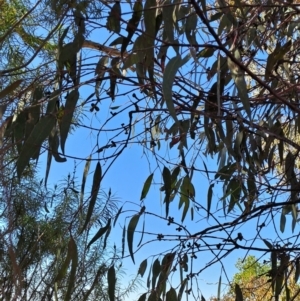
<point x="205" y="88"/>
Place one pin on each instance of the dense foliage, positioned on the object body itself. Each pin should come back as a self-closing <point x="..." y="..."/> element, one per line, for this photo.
<point x="207" y="88"/>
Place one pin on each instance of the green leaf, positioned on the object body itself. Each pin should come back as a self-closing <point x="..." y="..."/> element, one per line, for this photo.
<point x="123" y="241"/>
<point x="111" y="281"/>
<point x="11" y="88"/>
<point x="113" y="20"/>
<point x="171" y="295"/>
<point x="40" y="132"/>
<point x="142" y="297"/>
<point x="146" y="187"/>
<point x="206" y="52"/>
<point x="169" y="75"/>
<point x="52" y="102"/>
<point x="153" y="296"/>
<point x="117" y="215"/>
<point x="155" y="272"/>
<point x="167" y="16"/>
<point x="94" y="193"/>
<point x="182" y="287"/>
<point x="167" y="186"/>
<point x="216" y="16"/>
<point x="99" y="234"/>
<point x="239" y="79"/>
<point x="219" y="288"/>
<point x="142" y="268"/>
<point x="149" y="276"/>
<point x="238" y="293"/>
<point x="209" y="197"/>
<point x="84" y="176"/>
<point x="72" y="277"/>
<point x="101" y="67"/>
<point x="117" y="41"/>
<point x="282" y="221"/>
<point x="53" y="146"/>
<point x="63" y="270"/>
<point x="130" y="233"/>
<point x="150" y="18"/>
<point x="66" y="120"/>
<point x="105" y="237"/>
<point x="268" y="244"/>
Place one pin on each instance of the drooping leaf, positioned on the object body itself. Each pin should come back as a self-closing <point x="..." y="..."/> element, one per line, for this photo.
<point x="63" y="270"/>
<point x="169" y="75"/>
<point x="84" y="176"/>
<point x="117" y="215"/>
<point x="171" y="295"/>
<point x="142" y="297"/>
<point x="167" y="186"/>
<point x="142" y="268"/>
<point x="146" y="187"/>
<point x="130" y="233"/>
<point x="100" y="233"/>
<point x="219" y="288"/>
<point x="106" y="236"/>
<point x="66" y="120"/>
<point x="113" y="20"/>
<point x="111" y="281"/>
<point x="10" y="88"/>
<point x="282" y="221"/>
<point x="182" y="287"/>
<point x="94" y="193"/>
<point x="101" y="67"/>
<point x="123" y="241"/>
<point x="149" y="276"/>
<point x="153" y="296"/>
<point x="155" y="272"/>
<point x="209" y="197"/>
<point x="240" y="82"/>
<point x="268" y="244"/>
<point x="72" y="277"/>
<point x="117" y="41"/>
<point x="40" y="132"/>
<point x="166" y="265"/>
<point x="132" y="24"/>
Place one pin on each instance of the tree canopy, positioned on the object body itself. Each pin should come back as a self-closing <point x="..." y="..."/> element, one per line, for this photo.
<point x="204" y="89"/>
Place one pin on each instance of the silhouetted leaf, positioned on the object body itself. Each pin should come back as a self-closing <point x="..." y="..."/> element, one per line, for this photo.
<point x="171" y="295"/>
<point x="142" y="268"/>
<point x="95" y="189"/>
<point x="239" y="80"/>
<point x="282" y="221"/>
<point x="146" y="187"/>
<point x="40" y="132"/>
<point x="142" y="297"/>
<point x="113" y="20"/>
<point x="66" y="120"/>
<point x="111" y="281"/>
<point x="117" y="215"/>
<point x="268" y="244"/>
<point x="72" y="277"/>
<point x="182" y="287"/>
<point x="209" y="196"/>
<point x="130" y="233"/>
<point x="169" y="75"/>
<point x="84" y="176"/>
<point x="99" y="234"/>
<point x="155" y="272"/>
<point x="10" y="88"/>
